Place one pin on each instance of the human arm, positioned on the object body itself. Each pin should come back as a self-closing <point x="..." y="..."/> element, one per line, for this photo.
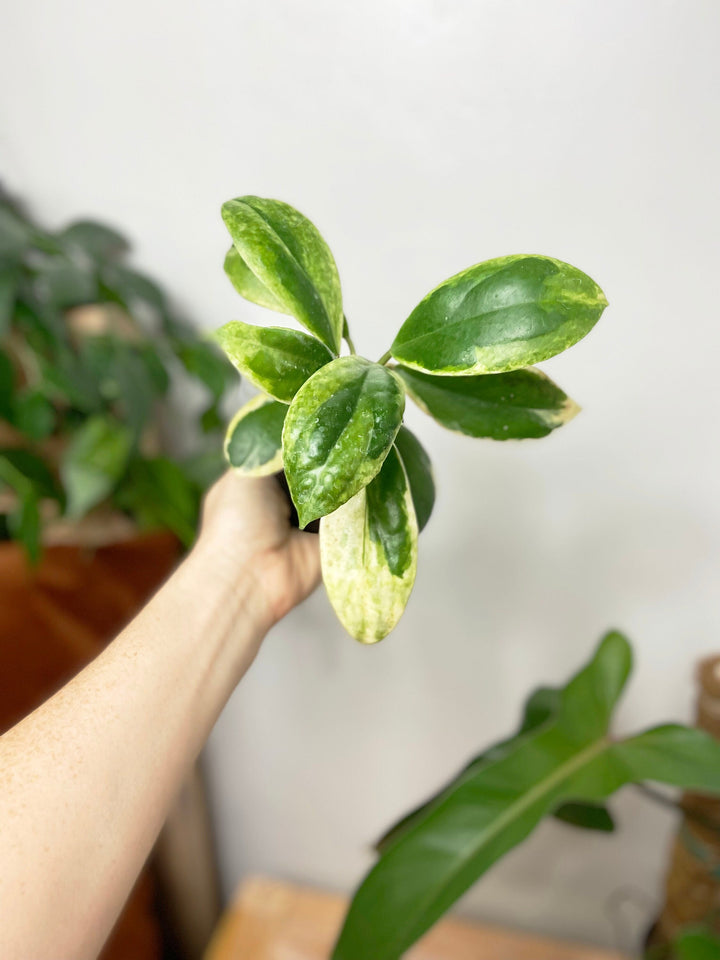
<point x="86" y="779"/>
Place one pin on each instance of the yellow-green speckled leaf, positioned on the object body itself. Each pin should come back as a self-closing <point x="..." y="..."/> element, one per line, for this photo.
<point x="499" y="315"/>
<point x="248" y="285"/>
<point x="368" y="550"/>
<point x="338" y="431"/>
<point x="289" y="259"/>
<point x="253" y="443"/>
<point x="277" y="360"/>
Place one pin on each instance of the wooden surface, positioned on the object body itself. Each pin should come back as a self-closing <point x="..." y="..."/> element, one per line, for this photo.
<point x="270" y="920"/>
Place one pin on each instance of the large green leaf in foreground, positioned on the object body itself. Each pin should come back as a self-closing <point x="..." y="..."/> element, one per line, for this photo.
<point x="368" y="549"/>
<point x="492" y="808"/>
<point x="289" y="259"/>
<point x="278" y="361"/>
<point x="338" y="431"/>
<point x="499" y="315"/>
<point x="518" y="405"/>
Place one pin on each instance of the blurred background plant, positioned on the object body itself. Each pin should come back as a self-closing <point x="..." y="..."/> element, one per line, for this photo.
<point x="91" y="354"/>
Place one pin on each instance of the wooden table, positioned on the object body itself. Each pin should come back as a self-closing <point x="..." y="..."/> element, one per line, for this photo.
<point x="271" y="920"/>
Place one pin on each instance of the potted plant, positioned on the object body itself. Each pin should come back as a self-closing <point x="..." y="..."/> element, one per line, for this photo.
<point x="563" y="761"/>
<point x="334" y="423"/>
<point x="88" y="348"/>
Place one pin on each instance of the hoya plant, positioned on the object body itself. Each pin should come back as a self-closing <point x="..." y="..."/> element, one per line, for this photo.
<point x="563" y="761"/>
<point x="334" y="422"/>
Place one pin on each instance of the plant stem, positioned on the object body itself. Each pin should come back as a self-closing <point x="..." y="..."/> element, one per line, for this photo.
<point x="348" y="341"/>
<point x="678" y="805"/>
<point x="384" y="358"/>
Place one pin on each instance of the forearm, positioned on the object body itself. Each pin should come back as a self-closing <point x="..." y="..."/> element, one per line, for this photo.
<point x="86" y="780"/>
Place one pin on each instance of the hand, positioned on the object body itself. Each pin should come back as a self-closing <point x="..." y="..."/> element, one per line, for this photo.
<point x="246" y="529"/>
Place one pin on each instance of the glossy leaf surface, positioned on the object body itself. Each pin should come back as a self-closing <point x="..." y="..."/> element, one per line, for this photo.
<point x="492" y="808"/>
<point x="290" y="259"/>
<point x="253" y="443"/>
<point x="541" y="706"/>
<point x="368" y="549"/>
<point x="278" y="361"/>
<point x="338" y="431"/>
<point x="500" y="315"/>
<point x="419" y="473"/>
<point x="518" y="405"/>
<point x="247" y="284"/>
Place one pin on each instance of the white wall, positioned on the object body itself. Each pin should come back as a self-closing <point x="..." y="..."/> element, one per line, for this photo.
<point x="422" y="137"/>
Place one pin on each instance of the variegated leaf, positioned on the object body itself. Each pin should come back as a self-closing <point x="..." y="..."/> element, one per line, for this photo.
<point x="253" y="443"/>
<point x="368" y="549"/>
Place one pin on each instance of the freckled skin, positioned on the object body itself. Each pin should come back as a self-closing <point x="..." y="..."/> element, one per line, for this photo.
<point x="87" y="779"/>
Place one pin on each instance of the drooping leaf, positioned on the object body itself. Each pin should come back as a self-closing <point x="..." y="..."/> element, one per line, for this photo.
<point x="158" y="493"/>
<point x="541" y="706"/>
<point x="248" y="285"/>
<point x="368" y="550"/>
<point x="94" y="462"/>
<point x="20" y="470"/>
<point x="290" y="259"/>
<point x="491" y="809"/>
<point x="419" y="473"/>
<point x="504" y="406"/>
<point x="253" y="443"/>
<point x="206" y="363"/>
<point x="500" y="315"/>
<point x="94" y="239"/>
<point x="278" y="361"/>
<point x="338" y="431"/>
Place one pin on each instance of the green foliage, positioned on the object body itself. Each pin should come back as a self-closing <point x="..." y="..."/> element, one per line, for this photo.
<point x="80" y="396"/>
<point x="568" y="758"/>
<point x="345" y="413"/>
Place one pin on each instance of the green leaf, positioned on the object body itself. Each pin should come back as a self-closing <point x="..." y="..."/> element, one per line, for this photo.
<point x="94" y="462"/>
<point x="158" y="493"/>
<point x="205" y="467"/>
<point x="419" y="473"/>
<point x="290" y="259"/>
<point x="94" y="239"/>
<point x="505" y="406"/>
<point x="541" y="706"/>
<point x="25" y="524"/>
<point x="589" y="816"/>
<point x="7" y="385"/>
<point x="368" y="550"/>
<point x="8" y="286"/>
<point x="65" y="283"/>
<point x="697" y="943"/>
<point x="206" y="363"/>
<point x="20" y="469"/>
<point x="276" y="360"/>
<point x="248" y="285"/>
<point x="253" y="443"/>
<point x="493" y="807"/>
<point x="338" y="431"/>
<point x="132" y="289"/>
<point x="500" y="315"/>
<point x="33" y="414"/>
